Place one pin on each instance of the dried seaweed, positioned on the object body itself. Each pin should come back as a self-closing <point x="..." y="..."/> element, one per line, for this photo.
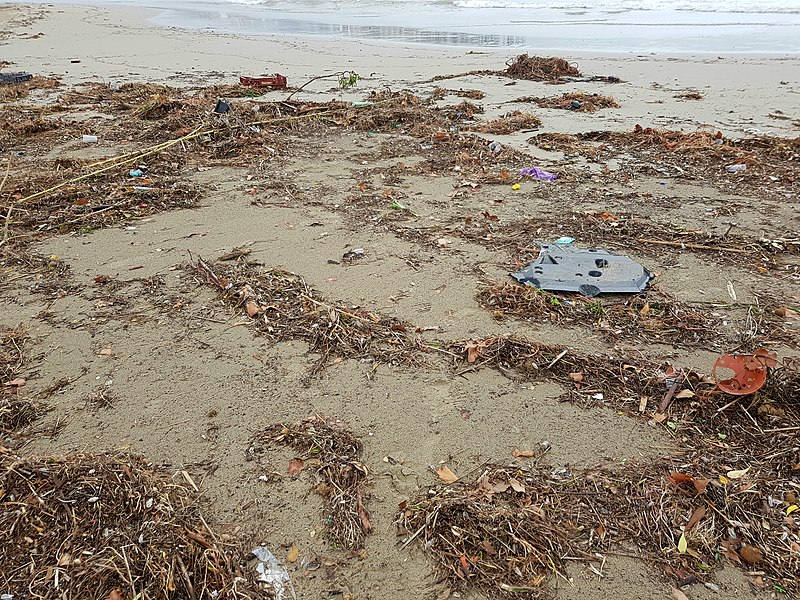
<point x="508" y="123"/>
<point x="283" y="307"/>
<point x="575" y="101"/>
<point x="728" y="492"/>
<point x="651" y="316"/>
<point x="538" y="68"/>
<point x="333" y="454"/>
<point x="101" y="526"/>
<point x="16" y="91"/>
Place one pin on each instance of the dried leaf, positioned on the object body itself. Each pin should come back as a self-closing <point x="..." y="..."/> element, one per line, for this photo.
<point x="791" y="509"/>
<point x="18" y="382"/>
<point x="684" y="394"/>
<point x="517" y="453"/>
<point x="679" y="595"/>
<point x="445" y="474"/>
<point x="105" y="352"/>
<point x="683" y="544"/>
<point x="487" y="546"/>
<point x="700" y="485"/>
<point x="751" y="555"/>
<point x="517" y="486"/>
<point x="295" y="466"/>
<point x="252" y="308"/>
<point x="294" y="552"/>
<point x="576" y="377"/>
<point x="362" y="514"/>
<point x="500" y="487"/>
<point x="115" y="594"/>
<point x="738" y="474"/>
<point x="680" y="477"/>
<point x="696" y="517"/>
<point x="645" y="309"/>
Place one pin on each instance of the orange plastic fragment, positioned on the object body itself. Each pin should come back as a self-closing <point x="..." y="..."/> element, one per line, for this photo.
<point x="750" y="371"/>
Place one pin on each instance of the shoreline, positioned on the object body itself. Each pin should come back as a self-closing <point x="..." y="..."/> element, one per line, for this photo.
<point x="489" y="28"/>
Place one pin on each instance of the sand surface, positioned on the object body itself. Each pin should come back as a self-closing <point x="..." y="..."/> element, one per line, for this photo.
<point x="193" y="385"/>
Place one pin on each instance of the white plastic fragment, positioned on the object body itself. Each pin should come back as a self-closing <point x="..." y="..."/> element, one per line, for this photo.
<point x="271" y="571"/>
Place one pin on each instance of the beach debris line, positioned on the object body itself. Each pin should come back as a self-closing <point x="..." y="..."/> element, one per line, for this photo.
<point x="283" y="307"/>
<point x="332" y="454"/>
<point x="588" y="271"/>
<point x="651" y="316"/>
<point x="104" y="526"/>
<point x="17" y="412"/>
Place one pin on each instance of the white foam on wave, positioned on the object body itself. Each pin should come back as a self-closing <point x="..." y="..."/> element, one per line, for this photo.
<point x="729" y="6"/>
<point x="611" y="6"/>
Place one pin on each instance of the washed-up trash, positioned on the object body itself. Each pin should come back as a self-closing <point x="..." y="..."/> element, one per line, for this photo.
<point x="587" y="271"/>
<point x="353" y="254"/>
<point x="564" y="240"/>
<point x="749" y="371"/>
<point x="539" y="174"/>
<point x="221" y="107"/>
<point x="736" y="168"/>
<point x="276" y="81"/>
<point x="89" y="139"/>
<point x="362" y="104"/>
<point x="136" y="173"/>
<point x="576" y="104"/>
<point x="495" y="147"/>
<point x="272" y="572"/>
<point x="14" y="78"/>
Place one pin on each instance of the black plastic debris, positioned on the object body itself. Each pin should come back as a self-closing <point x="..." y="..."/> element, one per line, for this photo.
<point x="222" y="107"/>
<point x="564" y="268"/>
<point x="9" y="78"/>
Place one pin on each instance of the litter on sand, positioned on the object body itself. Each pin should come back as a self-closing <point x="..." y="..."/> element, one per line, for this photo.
<point x="590" y="272"/>
<point x="272" y="572"/>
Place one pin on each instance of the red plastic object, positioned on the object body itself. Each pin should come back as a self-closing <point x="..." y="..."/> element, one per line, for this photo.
<point x="276" y="81"/>
<point x="750" y="371"/>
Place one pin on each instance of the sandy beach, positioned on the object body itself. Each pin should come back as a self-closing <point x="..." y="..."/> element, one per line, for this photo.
<point x="404" y="224"/>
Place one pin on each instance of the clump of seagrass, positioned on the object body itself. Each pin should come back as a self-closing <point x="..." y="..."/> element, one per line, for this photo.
<point x="576" y="101"/>
<point x="9" y="92"/>
<point x="100" y="526"/>
<point x="12" y="352"/>
<point x="333" y="454"/>
<point x="503" y="532"/>
<point x="508" y="123"/>
<point x="16" y="411"/>
<point x="737" y="469"/>
<point x="650" y="316"/>
<point x="283" y="307"/>
<point x="538" y="68"/>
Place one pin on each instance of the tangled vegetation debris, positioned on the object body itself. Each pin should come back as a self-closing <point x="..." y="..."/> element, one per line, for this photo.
<point x="576" y="101"/>
<point x="18" y="91"/>
<point x="538" y="68"/>
<point x="333" y="454"/>
<point x="283" y="307"/>
<point x="101" y="526"/>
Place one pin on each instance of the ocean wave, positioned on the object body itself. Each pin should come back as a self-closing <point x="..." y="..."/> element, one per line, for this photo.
<point x="609" y="6"/>
<point x="728" y="6"/>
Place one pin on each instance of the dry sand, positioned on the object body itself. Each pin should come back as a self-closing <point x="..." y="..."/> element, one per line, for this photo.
<point x="192" y="390"/>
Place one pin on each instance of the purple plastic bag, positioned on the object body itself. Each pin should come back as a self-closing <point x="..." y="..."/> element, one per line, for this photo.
<point x="539" y="174"/>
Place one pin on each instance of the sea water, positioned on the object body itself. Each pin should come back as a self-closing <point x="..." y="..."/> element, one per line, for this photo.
<point x="629" y="26"/>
